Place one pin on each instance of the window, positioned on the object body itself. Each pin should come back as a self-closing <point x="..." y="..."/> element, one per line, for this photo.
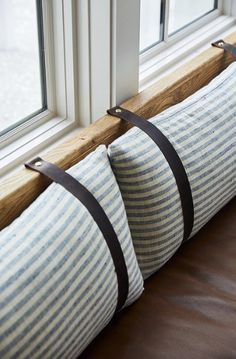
<point x="184" y="12"/>
<point x="38" y="76"/>
<point x="22" y="75"/>
<point x="160" y="19"/>
<point x="64" y="62"/>
<point x="173" y="31"/>
<point x="151" y="23"/>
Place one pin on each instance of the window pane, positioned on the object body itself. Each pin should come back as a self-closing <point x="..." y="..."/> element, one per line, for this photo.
<point x="20" y="65"/>
<point x="183" y="12"/>
<point x="150" y="23"/>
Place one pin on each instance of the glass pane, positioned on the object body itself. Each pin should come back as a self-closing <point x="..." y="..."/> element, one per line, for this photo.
<point x="20" y="64"/>
<point x="150" y="23"/>
<point x="183" y="12"/>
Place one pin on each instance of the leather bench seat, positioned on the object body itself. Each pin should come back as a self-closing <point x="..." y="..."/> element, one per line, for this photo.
<point x="188" y="308"/>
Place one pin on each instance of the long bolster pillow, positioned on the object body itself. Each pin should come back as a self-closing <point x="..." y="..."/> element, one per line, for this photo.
<point x="202" y="130"/>
<point x="58" y="285"/>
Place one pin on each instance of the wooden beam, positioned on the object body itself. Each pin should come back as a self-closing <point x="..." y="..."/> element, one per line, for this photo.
<point x="17" y="192"/>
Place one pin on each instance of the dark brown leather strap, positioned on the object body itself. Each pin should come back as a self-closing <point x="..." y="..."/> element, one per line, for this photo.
<point x="224" y="46"/>
<point x="61" y="177"/>
<point x="172" y="158"/>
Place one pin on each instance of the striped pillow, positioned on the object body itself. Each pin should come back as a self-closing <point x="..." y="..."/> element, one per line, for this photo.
<point x="202" y="130"/>
<point x="58" y="287"/>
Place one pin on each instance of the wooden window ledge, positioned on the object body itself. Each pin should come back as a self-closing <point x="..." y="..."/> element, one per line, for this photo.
<point x="18" y="191"/>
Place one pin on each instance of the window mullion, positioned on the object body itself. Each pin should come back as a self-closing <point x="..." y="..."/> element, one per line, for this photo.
<point x="125" y="50"/>
<point x="113" y="53"/>
<point x="41" y="54"/>
<point x="100" y="57"/>
<point x="229" y="7"/>
<point x="70" y="55"/>
<point x="49" y="56"/>
<point x="56" y="60"/>
<point x="83" y="62"/>
<point x="226" y="6"/>
<point x="166" y="19"/>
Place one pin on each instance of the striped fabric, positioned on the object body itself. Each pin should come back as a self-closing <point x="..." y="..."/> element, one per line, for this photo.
<point x="202" y="130"/>
<point x="58" y="287"/>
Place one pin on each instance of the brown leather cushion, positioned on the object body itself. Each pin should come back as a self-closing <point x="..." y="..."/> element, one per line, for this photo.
<point x="188" y="309"/>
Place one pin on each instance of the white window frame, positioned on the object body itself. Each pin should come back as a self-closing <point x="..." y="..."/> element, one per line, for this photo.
<point x="186" y="43"/>
<point x="92" y="61"/>
<point x="91" y="65"/>
<point x="109" y="56"/>
<point x="61" y="115"/>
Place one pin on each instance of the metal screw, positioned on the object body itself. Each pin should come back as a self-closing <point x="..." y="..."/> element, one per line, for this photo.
<point x="38" y="164"/>
<point x="118" y="110"/>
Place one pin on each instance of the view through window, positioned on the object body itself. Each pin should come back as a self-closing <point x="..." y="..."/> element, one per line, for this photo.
<point x="22" y="75"/>
<point x="181" y="13"/>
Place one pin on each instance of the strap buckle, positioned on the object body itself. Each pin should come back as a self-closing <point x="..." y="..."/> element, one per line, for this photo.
<point x="221" y="44"/>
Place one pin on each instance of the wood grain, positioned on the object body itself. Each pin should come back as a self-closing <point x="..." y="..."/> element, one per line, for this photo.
<point x="17" y="192"/>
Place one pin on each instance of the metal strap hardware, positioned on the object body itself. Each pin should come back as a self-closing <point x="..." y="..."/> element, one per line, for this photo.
<point x="61" y="177"/>
<point x="172" y="158"/>
<point x="224" y="46"/>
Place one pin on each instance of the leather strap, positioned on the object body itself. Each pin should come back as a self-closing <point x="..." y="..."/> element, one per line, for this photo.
<point x="172" y="158"/>
<point x="73" y="186"/>
<point x="227" y="47"/>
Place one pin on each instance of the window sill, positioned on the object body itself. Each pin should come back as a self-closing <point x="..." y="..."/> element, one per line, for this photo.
<point x="167" y="57"/>
<point x="18" y="146"/>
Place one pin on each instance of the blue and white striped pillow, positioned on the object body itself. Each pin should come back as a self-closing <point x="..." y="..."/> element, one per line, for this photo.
<point x="202" y="130"/>
<point x="58" y="287"/>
